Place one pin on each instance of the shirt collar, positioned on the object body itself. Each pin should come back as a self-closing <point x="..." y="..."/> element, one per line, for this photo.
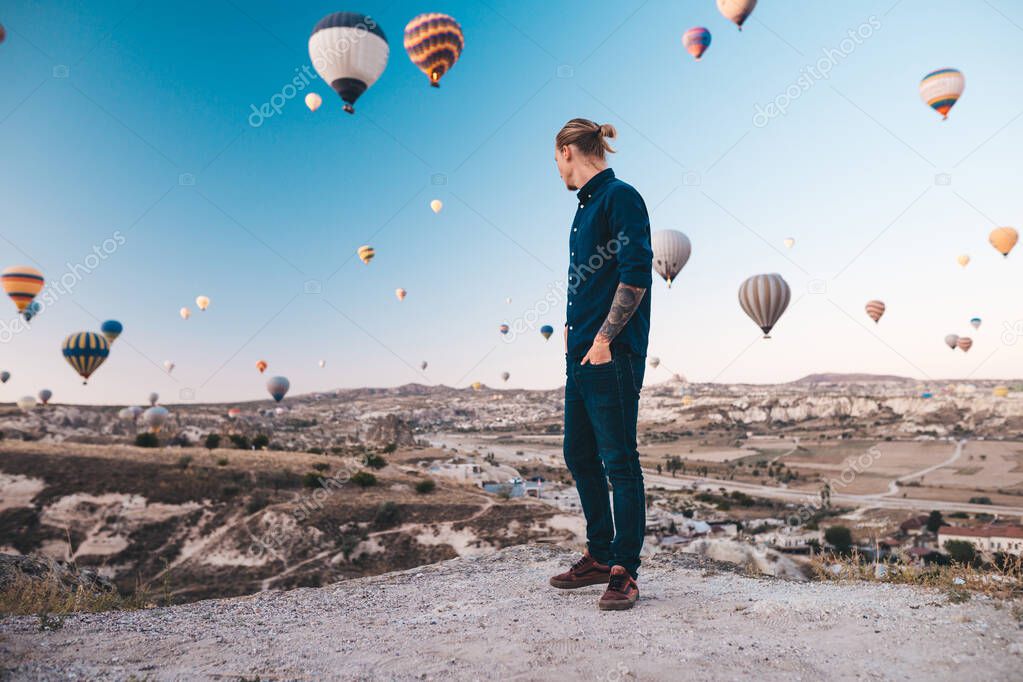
<point x="594" y="184"/>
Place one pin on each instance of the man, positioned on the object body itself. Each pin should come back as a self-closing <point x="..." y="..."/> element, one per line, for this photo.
<point x="605" y="345"/>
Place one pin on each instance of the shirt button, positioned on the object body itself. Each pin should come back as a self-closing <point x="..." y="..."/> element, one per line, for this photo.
<point x="575" y="229"/>
<point x="570" y="328"/>
<point x="582" y="206"/>
<point x="573" y="253"/>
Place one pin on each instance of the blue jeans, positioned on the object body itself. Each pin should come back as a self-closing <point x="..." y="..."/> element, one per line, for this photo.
<point x="601" y="409"/>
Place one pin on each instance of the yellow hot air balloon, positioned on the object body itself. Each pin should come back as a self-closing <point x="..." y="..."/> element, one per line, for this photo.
<point x="433" y="42"/>
<point x="202" y="302"/>
<point x="789" y="242"/>
<point x="1003" y="239"/>
<point x="22" y="283"/>
<point x="1001" y="391"/>
<point x="875" y="309"/>
<point x="476" y="385"/>
<point x="313" y="101"/>
<point x="366" y="254"/>
<point x="436" y="205"/>
<point x="963" y="260"/>
<point x="185" y="313"/>
<point x="400" y="293"/>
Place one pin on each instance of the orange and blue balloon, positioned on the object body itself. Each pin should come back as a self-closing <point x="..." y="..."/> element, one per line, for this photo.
<point x="434" y="42"/>
<point x="111" y="329"/>
<point x="941" y="89"/>
<point x="696" y="41"/>
<point x="22" y="283"/>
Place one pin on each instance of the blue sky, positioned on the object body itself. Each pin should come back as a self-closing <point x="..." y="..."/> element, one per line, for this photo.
<point x="112" y="110"/>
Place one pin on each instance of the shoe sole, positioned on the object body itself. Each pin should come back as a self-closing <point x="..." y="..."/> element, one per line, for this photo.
<point x="574" y="584"/>
<point x="616" y="605"/>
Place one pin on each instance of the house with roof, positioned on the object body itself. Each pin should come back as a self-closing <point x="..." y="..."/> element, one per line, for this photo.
<point x="988" y="539"/>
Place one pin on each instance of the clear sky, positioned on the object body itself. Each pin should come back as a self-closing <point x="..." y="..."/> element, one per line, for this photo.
<point x="132" y="122"/>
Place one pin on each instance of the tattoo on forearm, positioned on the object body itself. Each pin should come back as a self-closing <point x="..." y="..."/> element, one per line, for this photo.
<point x="626" y="300"/>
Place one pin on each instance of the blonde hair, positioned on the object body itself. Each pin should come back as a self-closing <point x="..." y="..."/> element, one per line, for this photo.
<point x="590" y="138"/>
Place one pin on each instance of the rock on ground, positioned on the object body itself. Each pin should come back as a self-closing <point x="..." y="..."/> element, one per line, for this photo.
<point x="494" y="617"/>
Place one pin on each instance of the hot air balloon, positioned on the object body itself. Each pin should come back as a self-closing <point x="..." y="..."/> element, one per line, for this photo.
<point x="423" y="365"/>
<point x="963" y="260"/>
<point x="234" y="411"/>
<point x="975" y="322"/>
<point x="130" y="413"/>
<point x="696" y="41"/>
<point x="366" y="254"/>
<point x="654" y="362"/>
<point x="85" y="352"/>
<point x="22" y="283"/>
<point x="433" y="42"/>
<point x="736" y="11"/>
<point x="1001" y="391"/>
<point x="546" y="331"/>
<point x="4" y="377"/>
<point x="504" y="328"/>
<point x="505" y="376"/>
<point x="964" y="343"/>
<point x="26" y="403"/>
<point x="153" y="398"/>
<point x="687" y="400"/>
<point x="349" y="51"/>
<point x="671" y="252"/>
<point x="111" y="329"/>
<point x="185" y="313"/>
<point x="951" y="340"/>
<point x="926" y="395"/>
<point x="476" y="385"/>
<point x="941" y="89"/>
<point x="261" y="366"/>
<point x="278" y="387"/>
<point x="155" y="417"/>
<point x="875" y="309"/>
<point x="436" y="205"/>
<point x="789" y="242"/>
<point x="45" y="395"/>
<point x="508" y="300"/>
<point x="31" y="310"/>
<point x="313" y="101"/>
<point x="3" y="33"/>
<point x="322" y="363"/>
<point x="1003" y="239"/>
<point x="202" y="302"/>
<point x="400" y="293"/>
<point x="169" y="366"/>
<point x="764" y="298"/>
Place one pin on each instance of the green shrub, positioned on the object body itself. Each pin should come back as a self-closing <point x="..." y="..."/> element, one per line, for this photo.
<point x="374" y="461"/>
<point x="222" y="461"/>
<point x="387" y="514"/>
<point x="212" y="441"/>
<point x="363" y="479"/>
<point x="839" y="537"/>
<point x="256" y="502"/>
<point x="313" y="479"/>
<point x="147" y="440"/>
<point x="321" y="466"/>
<point x="260" y="441"/>
<point x="239" y="441"/>
<point x="184" y="461"/>
<point x="425" y="487"/>
<point x="390" y="447"/>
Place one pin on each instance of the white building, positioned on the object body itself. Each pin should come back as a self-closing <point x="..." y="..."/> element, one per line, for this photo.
<point x="988" y="539"/>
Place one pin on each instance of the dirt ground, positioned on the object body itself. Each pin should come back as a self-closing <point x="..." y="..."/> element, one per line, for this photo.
<point x="494" y="617"/>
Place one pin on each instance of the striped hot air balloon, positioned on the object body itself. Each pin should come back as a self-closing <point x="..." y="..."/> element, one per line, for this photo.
<point x="964" y="343"/>
<point x="434" y="42"/>
<point x="941" y="89"/>
<point x="671" y="252"/>
<point x="366" y="253"/>
<point x="22" y="283"/>
<point x="764" y="298"/>
<point x="975" y="322"/>
<point x="696" y="41"/>
<point x="85" y="352"/>
<point x="736" y="11"/>
<point x="349" y="51"/>
<point x="875" y="309"/>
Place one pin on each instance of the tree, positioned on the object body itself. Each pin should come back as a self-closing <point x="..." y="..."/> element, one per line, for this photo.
<point x="363" y="479"/>
<point x="147" y="440"/>
<point x="935" y="521"/>
<point x="260" y="441"/>
<point x="961" y="552"/>
<point x="212" y="441"/>
<point x="840" y="538"/>
<point x="425" y="486"/>
<point x="374" y="461"/>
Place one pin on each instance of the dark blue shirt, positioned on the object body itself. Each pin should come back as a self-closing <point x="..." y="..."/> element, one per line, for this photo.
<point x="609" y="244"/>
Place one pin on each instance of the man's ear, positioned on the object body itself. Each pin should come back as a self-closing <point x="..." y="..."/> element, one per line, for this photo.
<point x="566" y="152"/>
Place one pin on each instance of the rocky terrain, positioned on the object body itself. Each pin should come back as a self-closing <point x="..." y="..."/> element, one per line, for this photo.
<point x="493" y="617"/>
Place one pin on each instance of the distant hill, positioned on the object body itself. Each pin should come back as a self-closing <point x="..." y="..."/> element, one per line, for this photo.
<point x="832" y="378"/>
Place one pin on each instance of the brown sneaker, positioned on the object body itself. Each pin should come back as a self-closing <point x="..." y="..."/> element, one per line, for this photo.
<point x="584" y="572"/>
<point x="622" y="591"/>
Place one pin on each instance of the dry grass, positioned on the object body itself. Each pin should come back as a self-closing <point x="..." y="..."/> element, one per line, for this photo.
<point x="28" y="596"/>
<point x="959" y="582"/>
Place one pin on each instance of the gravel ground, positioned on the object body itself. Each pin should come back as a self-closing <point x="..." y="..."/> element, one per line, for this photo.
<point x="493" y="617"/>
